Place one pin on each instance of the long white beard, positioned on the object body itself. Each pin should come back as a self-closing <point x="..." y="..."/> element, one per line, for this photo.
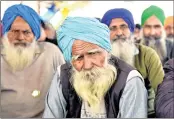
<point x="18" y="57"/>
<point x="158" y="45"/>
<point x="124" y="50"/>
<point x="92" y="85"/>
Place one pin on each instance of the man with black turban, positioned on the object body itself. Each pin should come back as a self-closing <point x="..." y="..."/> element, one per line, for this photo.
<point x="27" y="66"/>
<point x="93" y="84"/>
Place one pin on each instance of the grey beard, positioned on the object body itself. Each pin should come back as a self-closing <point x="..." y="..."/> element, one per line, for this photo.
<point x="148" y="40"/>
<point x="170" y="39"/>
<point x="159" y="45"/>
<point x="170" y="36"/>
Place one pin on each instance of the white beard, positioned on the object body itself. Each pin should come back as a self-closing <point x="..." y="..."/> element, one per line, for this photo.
<point x="124" y="51"/>
<point x="18" y="57"/>
<point x="92" y="85"/>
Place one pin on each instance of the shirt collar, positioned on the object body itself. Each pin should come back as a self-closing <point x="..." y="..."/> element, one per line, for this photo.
<point x="136" y="50"/>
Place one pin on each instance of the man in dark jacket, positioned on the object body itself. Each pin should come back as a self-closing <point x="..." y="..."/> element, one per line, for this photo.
<point x="164" y="103"/>
<point x="93" y="84"/>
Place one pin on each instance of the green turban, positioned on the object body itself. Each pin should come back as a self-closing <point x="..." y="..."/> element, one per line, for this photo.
<point x="150" y="11"/>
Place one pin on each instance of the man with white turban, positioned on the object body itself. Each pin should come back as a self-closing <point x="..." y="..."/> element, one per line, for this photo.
<point x="27" y="66"/>
<point x="93" y="84"/>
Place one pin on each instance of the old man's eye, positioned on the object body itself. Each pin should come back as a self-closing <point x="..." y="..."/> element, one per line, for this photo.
<point x="26" y="32"/>
<point x="93" y="53"/>
<point x="15" y="31"/>
<point x="80" y="58"/>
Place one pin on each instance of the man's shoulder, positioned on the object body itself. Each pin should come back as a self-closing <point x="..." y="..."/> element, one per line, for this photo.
<point x="120" y="64"/>
<point x="169" y="66"/>
<point x="47" y="45"/>
<point x="49" y="48"/>
<point x="145" y="50"/>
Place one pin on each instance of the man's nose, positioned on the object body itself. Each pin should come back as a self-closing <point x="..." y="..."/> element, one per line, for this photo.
<point x="152" y="31"/>
<point x="118" y="36"/>
<point x="87" y="64"/>
<point x="20" y="36"/>
<point x="118" y="32"/>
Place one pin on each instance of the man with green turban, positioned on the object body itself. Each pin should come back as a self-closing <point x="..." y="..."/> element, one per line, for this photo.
<point x="153" y="32"/>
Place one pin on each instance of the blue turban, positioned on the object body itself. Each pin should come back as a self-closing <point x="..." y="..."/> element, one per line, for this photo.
<point x="125" y="14"/>
<point x="27" y="13"/>
<point x="86" y="29"/>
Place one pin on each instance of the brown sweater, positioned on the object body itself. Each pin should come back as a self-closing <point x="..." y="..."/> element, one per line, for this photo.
<point x="17" y="87"/>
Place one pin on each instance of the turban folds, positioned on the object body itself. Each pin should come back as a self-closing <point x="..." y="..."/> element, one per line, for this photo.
<point x="169" y="20"/>
<point x="150" y="11"/>
<point x="125" y="14"/>
<point x="27" y="13"/>
<point x="82" y="28"/>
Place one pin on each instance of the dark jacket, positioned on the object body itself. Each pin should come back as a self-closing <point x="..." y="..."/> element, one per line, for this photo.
<point x="111" y="99"/>
<point x="54" y="41"/>
<point x="170" y="50"/>
<point x="164" y="102"/>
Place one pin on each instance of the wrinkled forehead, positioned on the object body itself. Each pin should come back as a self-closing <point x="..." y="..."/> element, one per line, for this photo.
<point x="82" y="47"/>
<point x="152" y="21"/>
<point x="20" y="24"/>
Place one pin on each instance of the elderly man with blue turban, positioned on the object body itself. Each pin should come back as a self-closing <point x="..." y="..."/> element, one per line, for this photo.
<point x="27" y="66"/>
<point x="93" y="84"/>
<point x="121" y="24"/>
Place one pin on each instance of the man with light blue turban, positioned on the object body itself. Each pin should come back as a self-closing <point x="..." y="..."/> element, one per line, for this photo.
<point x="91" y="83"/>
<point x="27" y="66"/>
<point x="78" y="28"/>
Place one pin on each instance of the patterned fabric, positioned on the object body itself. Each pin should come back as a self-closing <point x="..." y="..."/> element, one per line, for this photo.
<point x="87" y="113"/>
